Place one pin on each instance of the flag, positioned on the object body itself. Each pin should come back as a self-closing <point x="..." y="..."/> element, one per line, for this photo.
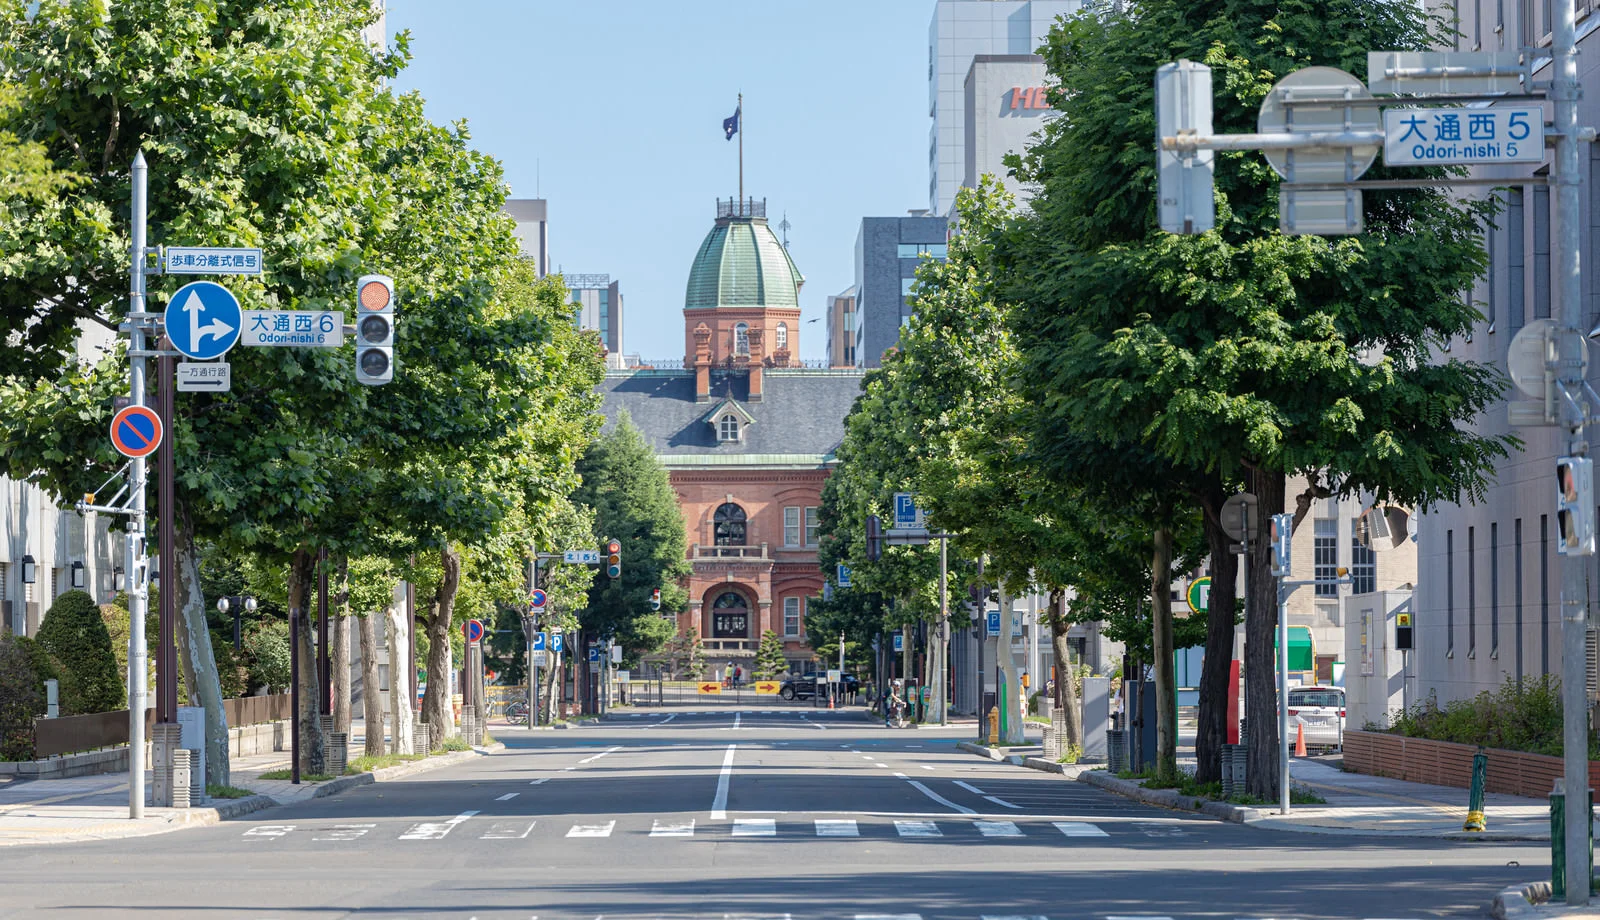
<point x="730" y="125"/>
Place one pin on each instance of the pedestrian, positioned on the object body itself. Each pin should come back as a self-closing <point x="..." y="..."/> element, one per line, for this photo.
<point x="738" y="674"/>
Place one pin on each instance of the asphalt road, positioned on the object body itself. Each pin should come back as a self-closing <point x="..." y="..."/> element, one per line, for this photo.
<point x="759" y="813"/>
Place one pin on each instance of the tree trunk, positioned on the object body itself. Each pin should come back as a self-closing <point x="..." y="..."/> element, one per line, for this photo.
<point x="339" y="670"/>
<point x="1007" y="664"/>
<point x="436" y="709"/>
<point x="371" y="702"/>
<point x="1066" y="695"/>
<point x="205" y="688"/>
<point x="399" y="678"/>
<point x="1161" y="628"/>
<point x="1261" y="620"/>
<point x="1212" y="731"/>
<point x="302" y="571"/>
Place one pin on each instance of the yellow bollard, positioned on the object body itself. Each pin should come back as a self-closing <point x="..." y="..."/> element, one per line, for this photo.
<point x="994" y="725"/>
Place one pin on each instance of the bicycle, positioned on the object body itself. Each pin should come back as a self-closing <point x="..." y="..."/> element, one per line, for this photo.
<point x="516" y="712"/>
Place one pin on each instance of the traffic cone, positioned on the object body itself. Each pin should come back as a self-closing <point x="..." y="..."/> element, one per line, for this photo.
<point x="1300" y="739"/>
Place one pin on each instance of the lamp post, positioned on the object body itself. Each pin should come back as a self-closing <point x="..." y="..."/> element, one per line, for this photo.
<point x="30" y="570"/>
<point x="245" y="603"/>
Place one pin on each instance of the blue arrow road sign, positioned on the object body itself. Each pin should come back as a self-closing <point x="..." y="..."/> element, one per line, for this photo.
<point x="994" y="622"/>
<point x="203" y="320"/>
<point x="538" y="641"/>
<point x="555" y="642"/>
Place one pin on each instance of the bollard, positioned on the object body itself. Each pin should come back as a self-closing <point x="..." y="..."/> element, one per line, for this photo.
<point x="1480" y="775"/>
<point x="994" y="725"/>
<point x="1558" y="847"/>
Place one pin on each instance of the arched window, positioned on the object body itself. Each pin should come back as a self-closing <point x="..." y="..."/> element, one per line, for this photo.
<point x="728" y="430"/>
<point x="730" y="616"/>
<point x="729" y="521"/>
<point x="741" y="339"/>
<point x="730" y="600"/>
<point x="781" y="335"/>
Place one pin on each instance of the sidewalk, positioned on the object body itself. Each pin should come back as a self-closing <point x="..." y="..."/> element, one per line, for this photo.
<point x="96" y="807"/>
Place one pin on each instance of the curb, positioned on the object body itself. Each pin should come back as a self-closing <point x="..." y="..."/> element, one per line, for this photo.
<point x="384" y="775"/>
<point x="989" y="752"/>
<point x="1516" y="902"/>
<point x="1167" y="798"/>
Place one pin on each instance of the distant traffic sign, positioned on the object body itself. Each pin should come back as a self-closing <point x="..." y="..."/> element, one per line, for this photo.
<point x="899" y="642"/>
<point x="906" y="512"/>
<point x="1497" y="134"/>
<point x="594" y="654"/>
<point x="710" y="687"/>
<point x="766" y="687"/>
<point x="211" y="260"/>
<point x="536" y="599"/>
<point x="473" y="630"/>
<point x="136" y="431"/>
<point x="994" y="623"/>
<point x="203" y="320"/>
<point x="1199" y="595"/>
<point x="581" y="556"/>
<point x="539" y="640"/>
<point x="843" y="575"/>
<point x="294" y="328"/>
<point x="205" y="377"/>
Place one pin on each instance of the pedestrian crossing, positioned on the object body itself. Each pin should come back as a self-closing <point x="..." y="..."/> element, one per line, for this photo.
<point x="752" y="829"/>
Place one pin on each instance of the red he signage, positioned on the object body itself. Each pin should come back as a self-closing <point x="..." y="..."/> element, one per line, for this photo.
<point x="1029" y="97"/>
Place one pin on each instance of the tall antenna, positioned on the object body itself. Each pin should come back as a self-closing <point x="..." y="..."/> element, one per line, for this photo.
<point x="784" y="226"/>
<point x="740" y="112"/>
<point x="536" y="179"/>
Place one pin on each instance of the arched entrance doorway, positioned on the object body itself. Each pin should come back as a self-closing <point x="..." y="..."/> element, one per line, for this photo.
<point x="730" y="616"/>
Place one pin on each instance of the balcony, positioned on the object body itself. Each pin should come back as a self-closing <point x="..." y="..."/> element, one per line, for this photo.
<point x="703" y="553"/>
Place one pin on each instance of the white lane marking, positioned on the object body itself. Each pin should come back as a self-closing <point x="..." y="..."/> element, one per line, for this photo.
<point x="508" y="830"/>
<point x="866" y="756"/>
<point x="719" y="804"/>
<point x="924" y="766"/>
<point x="917" y="829"/>
<point x="736" y="717"/>
<point x="568" y="769"/>
<point x="673" y="828"/>
<point x="888" y="917"/>
<point x="269" y="830"/>
<point x="1011" y="917"/>
<point x="1135" y="917"/>
<point x="970" y="788"/>
<point x="941" y="799"/>
<point x="837" y="828"/>
<point x="509" y="795"/>
<point x="901" y="776"/>
<point x="435" y="830"/>
<point x="345" y="832"/>
<point x="1001" y="802"/>
<point x="998" y="828"/>
<point x="755" y="827"/>
<point x="600" y="755"/>
<point x="592" y="830"/>
<point x="669" y="718"/>
<point x="883" y="765"/>
<point x="1079" y="829"/>
<point x="538" y="781"/>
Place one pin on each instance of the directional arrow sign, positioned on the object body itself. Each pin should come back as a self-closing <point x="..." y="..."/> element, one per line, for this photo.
<point x="710" y="687"/>
<point x="203" y="320"/>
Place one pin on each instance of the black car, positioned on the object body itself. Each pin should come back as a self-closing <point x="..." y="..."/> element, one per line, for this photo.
<point x="804" y="687"/>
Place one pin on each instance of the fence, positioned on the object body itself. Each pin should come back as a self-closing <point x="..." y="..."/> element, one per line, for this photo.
<point x="1444" y="763"/>
<point x="71" y="734"/>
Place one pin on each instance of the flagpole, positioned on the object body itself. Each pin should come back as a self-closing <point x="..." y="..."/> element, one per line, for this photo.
<point x="740" y="126"/>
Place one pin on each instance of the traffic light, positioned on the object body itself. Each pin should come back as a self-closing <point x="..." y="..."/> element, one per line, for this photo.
<point x="874" y="538"/>
<point x="614" y="559"/>
<point x="1575" y="506"/>
<point x="655" y="599"/>
<point x="374" y="329"/>
<point x="1282" y="536"/>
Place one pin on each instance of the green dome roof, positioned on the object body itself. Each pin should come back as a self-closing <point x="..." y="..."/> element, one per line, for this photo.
<point x="742" y="264"/>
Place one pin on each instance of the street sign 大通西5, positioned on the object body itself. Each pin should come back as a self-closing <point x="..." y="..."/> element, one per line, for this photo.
<point x="1433" y="137"/>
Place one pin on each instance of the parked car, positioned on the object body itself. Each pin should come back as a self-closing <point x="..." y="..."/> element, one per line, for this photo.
<point x="1321" y="711"/>
<point x="804" y="687"/>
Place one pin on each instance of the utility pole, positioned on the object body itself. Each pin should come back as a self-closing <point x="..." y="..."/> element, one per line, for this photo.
<point x="137" y="562"/>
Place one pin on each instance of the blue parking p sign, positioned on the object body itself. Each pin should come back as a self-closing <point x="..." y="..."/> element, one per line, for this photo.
<point x="539" y="642"/>
<point x="555" y="642"/>
<point x="899" y="642"/>
<point x="994" y="622"/>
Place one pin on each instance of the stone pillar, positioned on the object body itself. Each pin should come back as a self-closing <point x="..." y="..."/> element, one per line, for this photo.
<point x="338" y="752"/>
<point x="166" y="743"/>
<point x="420" y="736"/>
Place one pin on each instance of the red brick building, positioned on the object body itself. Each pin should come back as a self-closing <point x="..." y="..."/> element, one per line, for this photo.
<point x="748" y="435"/>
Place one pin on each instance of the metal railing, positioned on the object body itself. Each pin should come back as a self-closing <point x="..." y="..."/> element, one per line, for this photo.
<point x="72" y="734"/>
<point x="702" y="551"/>
<point x="735" y="207"/>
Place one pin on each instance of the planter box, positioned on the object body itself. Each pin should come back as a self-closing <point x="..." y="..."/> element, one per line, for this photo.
<point x="1443" y="763"/>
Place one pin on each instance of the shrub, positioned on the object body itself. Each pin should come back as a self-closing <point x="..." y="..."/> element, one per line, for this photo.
<point x="74" y="634"/>
<point x="24" y="667"/>
<point x="1520" y="716"/>
<point x="267" y="644"/>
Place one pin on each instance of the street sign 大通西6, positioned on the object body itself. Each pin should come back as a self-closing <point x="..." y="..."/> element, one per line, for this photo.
<point x="306" y="328"/>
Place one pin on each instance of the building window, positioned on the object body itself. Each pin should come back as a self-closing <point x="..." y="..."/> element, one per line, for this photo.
<point x="812" y="526"/>
<point x="791" y="617"/>
<point x="917" y="250"/>
<point x="1363" y="564"/>
<point x="729" y="521"/>
<point x="730" y="617"/>
<point x="728" y="428"/>
<point x="1325" y="556"/>
<point x="1516" y="264"/>
<point x="791" y="526"/>
<point x="905" y="286"/>
<point x="741" y="339"/>
<point x="780" y="336"/>
<point x="1472" y="592"/>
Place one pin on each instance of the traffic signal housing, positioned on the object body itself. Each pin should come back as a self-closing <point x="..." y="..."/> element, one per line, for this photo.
<point x="655" y="599"/>
<point x="614" y="559"/>
<point x="374" y="329"/>
<point x="1575" y="506"/>
<point x="874" y="538"/>
<point x="1282" y="543"/>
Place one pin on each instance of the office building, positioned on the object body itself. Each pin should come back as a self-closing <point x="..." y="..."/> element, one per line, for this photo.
<point x="597" y="305"/>
<point x="888" y="250"/>
<point x="533" y="229"/>
<point x="1004" y="106"/>
<point x="960" y="31"/>
<point x="842" y="328"/>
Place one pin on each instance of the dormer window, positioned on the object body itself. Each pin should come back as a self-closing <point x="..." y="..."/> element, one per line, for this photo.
<point x="728" y="428"/>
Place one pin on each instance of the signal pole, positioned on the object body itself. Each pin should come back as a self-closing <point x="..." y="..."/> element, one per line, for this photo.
<point x="137" y="562"/>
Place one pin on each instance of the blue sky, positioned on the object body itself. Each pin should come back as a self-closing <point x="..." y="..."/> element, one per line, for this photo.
<point x="612" y="110"/>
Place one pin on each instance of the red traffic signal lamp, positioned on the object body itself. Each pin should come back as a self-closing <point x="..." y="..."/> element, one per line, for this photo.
<point x="614" y="559"/>
<point x="374" y="329"/>
<point x="655" y="599"/>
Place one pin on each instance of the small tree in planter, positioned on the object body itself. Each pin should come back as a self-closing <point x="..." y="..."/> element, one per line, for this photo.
<point x="770" y="662"/>
<point x="75" y="635"/>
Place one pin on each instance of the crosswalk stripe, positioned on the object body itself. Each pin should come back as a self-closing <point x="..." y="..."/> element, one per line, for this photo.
<point x="1013" y="917"/>
<point x="673" y="828"/>
<point x="998" y="828"/>
<point x="508" y="830"/>
<point x="345" y="832"/>
<point x="507" y="796"/>
<point x="755" y="827"/>
<point x="888" y="917"/>
<point x="592" y="830"/>
<point x="435" y="830"/>
<point x="269" y="830"/>
<point x="918" y="829"/>
<point x="837" y="828"/>
<point x="1083" y="829"/>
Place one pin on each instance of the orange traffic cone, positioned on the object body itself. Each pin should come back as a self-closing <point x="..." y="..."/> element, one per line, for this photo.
<point x="1300" y="739"/>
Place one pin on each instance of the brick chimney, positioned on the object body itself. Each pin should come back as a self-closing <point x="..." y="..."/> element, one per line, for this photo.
<point x="702" y="363"/>
<point x="757" y="336"/>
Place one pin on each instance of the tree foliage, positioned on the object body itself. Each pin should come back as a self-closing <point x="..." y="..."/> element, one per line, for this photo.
<point x="770" y="662"/>
<point x="74" y="635"/>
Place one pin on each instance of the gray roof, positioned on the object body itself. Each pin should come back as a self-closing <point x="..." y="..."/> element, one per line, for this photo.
<point x="798" y="422"/>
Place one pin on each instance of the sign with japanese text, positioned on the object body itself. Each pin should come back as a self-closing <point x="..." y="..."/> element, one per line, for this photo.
<point x="211" y="260"/>
<point x="315" y="328"/>
<point x="205" y="377"/>
<point x="1429" y="137"/>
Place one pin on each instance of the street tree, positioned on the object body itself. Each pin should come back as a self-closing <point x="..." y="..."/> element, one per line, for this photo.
<point x="770" y="662"/>
<point x="1241" y="352"/>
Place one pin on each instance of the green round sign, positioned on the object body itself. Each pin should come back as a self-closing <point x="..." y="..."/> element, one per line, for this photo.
<point x="1199" y="596"/>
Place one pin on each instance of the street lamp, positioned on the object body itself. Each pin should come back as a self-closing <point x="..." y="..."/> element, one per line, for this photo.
<point x="77" y="574"/>
<point x="118" y="579"/>
<point x="30" y="570"/>
<point x="246" y="603"/>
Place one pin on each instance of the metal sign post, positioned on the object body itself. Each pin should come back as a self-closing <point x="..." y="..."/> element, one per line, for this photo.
<point x="137" y="562"/>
